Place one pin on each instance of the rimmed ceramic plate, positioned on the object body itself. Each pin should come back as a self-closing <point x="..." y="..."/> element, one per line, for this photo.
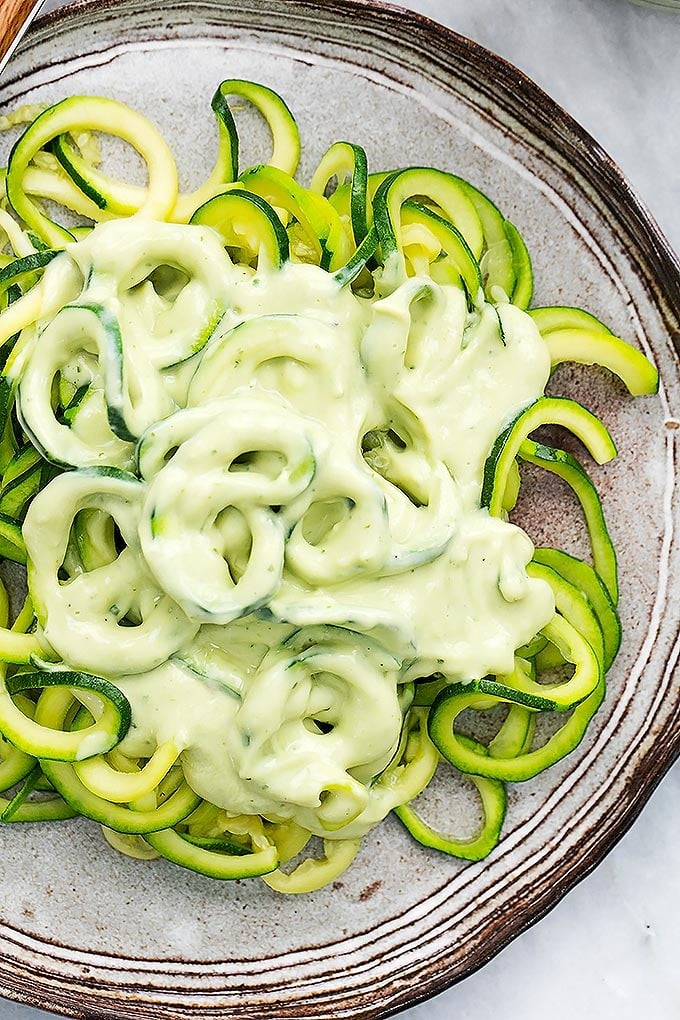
<point x="88" y="933"/>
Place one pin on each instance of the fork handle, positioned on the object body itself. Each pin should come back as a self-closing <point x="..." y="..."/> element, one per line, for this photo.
<point x="13" y="16"/>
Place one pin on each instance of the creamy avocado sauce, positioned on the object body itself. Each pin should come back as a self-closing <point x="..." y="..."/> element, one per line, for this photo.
<point x="306" y="539"/>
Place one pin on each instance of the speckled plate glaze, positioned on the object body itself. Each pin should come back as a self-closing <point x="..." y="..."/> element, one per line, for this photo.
<point x="88" y="933"/>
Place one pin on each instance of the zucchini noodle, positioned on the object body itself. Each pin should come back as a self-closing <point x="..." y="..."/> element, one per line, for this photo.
<point x="259" y="445"/>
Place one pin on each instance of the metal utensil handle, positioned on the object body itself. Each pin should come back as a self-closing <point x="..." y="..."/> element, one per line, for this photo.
<point x="14" y="14"/>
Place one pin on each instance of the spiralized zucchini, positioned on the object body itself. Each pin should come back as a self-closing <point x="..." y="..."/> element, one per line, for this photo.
<point x="258" y="448"/>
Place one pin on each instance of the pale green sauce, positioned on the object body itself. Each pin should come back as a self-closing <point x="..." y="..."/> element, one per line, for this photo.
<point x="320" y="460"/>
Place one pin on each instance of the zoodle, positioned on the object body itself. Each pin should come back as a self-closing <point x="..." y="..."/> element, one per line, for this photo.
<point x="259" y="444"/>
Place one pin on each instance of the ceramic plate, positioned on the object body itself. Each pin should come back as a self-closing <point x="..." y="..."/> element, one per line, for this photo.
<point x="88" y="933"/>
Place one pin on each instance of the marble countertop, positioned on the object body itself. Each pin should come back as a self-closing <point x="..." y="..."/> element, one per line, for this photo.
<point x="609" y="949"/>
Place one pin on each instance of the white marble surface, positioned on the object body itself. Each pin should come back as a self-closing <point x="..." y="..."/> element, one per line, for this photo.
<point x="609" y="949"/>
